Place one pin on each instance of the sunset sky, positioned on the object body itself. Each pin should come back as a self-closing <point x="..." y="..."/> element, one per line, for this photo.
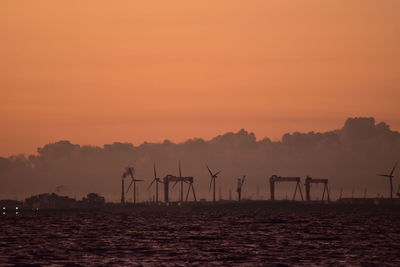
<point x="96" y="72"/>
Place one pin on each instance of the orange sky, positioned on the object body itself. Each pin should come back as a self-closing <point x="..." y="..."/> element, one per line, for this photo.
<point x="95" y="72"/>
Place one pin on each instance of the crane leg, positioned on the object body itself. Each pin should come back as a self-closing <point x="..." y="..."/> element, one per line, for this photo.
<point x="327" y="193"/>
<point x="194" y="194"/>
<point x="301" y="194"/>
<point x="187" y="194"/>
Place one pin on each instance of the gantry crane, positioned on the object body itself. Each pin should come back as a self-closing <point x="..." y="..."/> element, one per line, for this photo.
<point x="170" y="178"/>
<point x="274" y="178"/>
<point x="308" y="183"/>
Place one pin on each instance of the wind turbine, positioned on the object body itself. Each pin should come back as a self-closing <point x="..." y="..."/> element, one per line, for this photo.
<point x="390" y="176"/>
<point x="239" y="186"/>
<point x="155" y="180"/>
<point x="130" y="171"/>
<point x="212" y="181"/>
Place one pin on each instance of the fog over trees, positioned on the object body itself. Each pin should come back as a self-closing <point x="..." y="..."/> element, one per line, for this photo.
<point x="349" y="157"/>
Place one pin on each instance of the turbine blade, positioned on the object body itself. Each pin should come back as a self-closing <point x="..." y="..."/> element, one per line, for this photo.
<point x="209" y="171"/>
<point x="148" y="188"/>
<point x="394" y="167"/>
<point x="217" y="173"/>
<point x="131" y="171"/>
<point x="384" y="175"/>
<point x="129" y="186"/>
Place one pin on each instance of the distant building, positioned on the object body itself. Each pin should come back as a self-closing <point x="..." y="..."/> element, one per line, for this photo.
<point x="92" y="200"/>
<point x="50" y="201"/>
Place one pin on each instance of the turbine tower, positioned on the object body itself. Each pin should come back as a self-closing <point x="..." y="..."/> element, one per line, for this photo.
<point x="390" y="176"/>
<point x="180" y="177"/>
<point x="212" y="181"/>
<point x="123" y="189"/>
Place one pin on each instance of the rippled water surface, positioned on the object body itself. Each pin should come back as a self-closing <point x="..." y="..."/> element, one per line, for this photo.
<point x="224" y="235"/>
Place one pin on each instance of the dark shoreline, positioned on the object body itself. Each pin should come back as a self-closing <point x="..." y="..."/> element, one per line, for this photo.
<point x="264" y="205"/>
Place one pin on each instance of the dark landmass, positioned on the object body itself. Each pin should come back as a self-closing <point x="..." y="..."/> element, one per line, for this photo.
<point x="94" y="202"/>
<point x="349" y="157"/>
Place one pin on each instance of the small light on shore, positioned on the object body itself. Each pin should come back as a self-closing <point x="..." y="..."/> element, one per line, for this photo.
<point x="16" y="208"/>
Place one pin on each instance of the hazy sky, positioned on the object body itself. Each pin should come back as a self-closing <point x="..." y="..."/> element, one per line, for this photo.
<point x="95" y="72"/>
